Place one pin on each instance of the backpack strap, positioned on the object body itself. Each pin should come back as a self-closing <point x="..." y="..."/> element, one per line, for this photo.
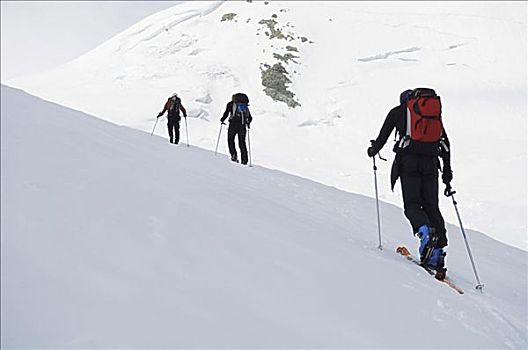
<point x="233" y="111"/>
<point x="443" y="144"/>
<point x="405" y="140"/>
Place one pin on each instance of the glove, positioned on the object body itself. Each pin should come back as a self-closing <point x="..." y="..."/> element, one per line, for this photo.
<point x="221" y="122"/>
<point x="447" y="176"/>
<point x="448" y="192"/>
<point x="247" y="126"/>
<point x="185" y="116"/>
<point x="159" y="115"/>
<point x="371" y="152"/>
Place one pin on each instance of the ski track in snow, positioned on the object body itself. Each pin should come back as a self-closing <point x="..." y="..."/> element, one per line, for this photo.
<point x="386" y="55"/>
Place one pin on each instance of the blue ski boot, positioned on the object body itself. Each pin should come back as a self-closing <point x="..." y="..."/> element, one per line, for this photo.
<point x="437" y="262"/>
<point x="428" y="240"/>
<point x="437" y="259"/>
<point x="423" y="234"/>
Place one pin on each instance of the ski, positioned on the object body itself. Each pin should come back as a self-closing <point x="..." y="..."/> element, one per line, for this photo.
<point x="403" y="251"/>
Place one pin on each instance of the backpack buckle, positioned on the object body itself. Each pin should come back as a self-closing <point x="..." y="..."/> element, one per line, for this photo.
<point x="404" y="142"/>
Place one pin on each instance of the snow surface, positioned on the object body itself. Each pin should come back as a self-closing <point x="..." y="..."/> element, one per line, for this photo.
<point x="111" y="238"/>
<point x="348" y="72"/>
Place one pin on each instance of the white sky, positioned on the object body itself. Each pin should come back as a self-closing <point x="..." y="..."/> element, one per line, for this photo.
<point x="39" y="35"/>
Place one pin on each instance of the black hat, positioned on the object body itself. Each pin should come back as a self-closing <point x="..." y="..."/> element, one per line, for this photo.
<point x="404" y="96"/>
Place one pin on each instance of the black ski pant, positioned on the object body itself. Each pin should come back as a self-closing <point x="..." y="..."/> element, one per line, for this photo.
<point x="237" y="128"/>
<point x="173" y="124"/>
<point x="419" y="182"/>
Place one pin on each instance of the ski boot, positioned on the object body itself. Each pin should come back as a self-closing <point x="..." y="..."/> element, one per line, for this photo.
<point x="437" y="262"/>
<point x="431" y="257"/>
<point x="441" y="274"/>
<point x="428" y="241"/>
<point x="234" y="158"/>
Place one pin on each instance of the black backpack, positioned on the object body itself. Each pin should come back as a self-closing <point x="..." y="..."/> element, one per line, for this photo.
<point x="174" y="109"/>
<point x="240" y="107"/>
<point x="240" y="98"/>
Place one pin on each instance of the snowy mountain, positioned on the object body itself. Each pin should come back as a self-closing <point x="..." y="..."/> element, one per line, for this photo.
<point x="321" y="79"/>
<point x="112" y="238"/>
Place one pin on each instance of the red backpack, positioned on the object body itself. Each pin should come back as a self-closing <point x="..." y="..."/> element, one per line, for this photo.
<point x="424" y="116"/>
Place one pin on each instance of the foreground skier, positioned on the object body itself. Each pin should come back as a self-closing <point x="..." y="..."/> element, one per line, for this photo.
<point x="422" y="139"/>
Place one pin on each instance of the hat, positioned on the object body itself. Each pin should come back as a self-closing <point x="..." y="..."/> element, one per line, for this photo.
<point x="404" y="96"/>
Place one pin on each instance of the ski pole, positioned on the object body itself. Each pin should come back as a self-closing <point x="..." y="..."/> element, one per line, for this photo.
<point x="218" y="141"/>
<point x="374" y="167"/>
<point x="380" y="247"/>
<point x="450" y="193"/>
<point x="154" y="128"/>
<point x="187" y="131"/>
<point x="249" y="144"/>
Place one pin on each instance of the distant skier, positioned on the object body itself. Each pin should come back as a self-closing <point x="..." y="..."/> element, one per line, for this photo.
<point x="239" y="121"/>
<point x="173" y="106"/>
<point x="422" y="139"/>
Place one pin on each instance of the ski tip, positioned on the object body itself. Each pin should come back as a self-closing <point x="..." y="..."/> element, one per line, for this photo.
<point x="403" y="251"/>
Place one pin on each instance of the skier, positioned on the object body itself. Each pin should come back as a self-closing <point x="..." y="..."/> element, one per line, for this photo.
<point x="239" y="119"/>
<point x="422" y="139"/>
<point x="173" y="107"/>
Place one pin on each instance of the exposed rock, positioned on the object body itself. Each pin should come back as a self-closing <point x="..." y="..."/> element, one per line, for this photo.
<point x="275" y="80"/>
<point x="286" y="58"/>
<point x="228" y="17"/>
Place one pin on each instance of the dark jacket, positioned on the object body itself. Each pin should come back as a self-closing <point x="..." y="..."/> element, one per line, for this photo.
<point x="396" y="119"/>
<point x="236" y="117"/>
<point x="173" y="112"/>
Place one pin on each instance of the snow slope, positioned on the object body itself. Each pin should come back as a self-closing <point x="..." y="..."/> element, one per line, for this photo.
<point x="111" y="238"/>
<point x="347" y="63"/>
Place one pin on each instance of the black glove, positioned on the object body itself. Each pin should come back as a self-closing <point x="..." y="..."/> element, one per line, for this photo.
<point x="447" y="176"/>
<point x="371" y="152"/>
<point x="159" y="115"/>
<point x="247" y="126"/>
<point x="448" y="192"/>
